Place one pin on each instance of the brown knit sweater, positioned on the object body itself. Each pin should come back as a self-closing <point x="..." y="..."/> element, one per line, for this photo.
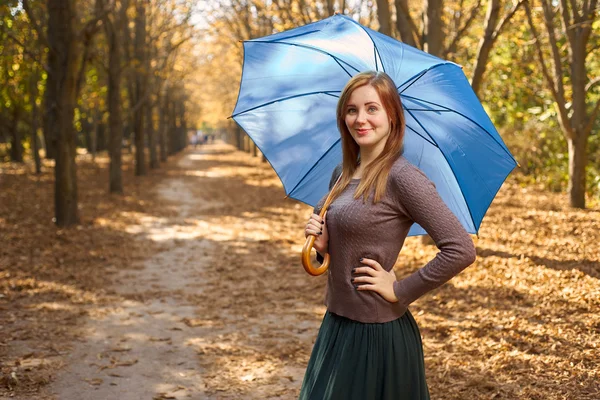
<point x="358" y="229"/>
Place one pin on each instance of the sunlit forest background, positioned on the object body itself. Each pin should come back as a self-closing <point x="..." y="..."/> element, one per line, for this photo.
<point x="521" y="57"/>
<point x="103" y="102"/>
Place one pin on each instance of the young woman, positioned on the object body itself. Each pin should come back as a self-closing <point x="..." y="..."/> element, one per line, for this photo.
<point x="369" y="346"/>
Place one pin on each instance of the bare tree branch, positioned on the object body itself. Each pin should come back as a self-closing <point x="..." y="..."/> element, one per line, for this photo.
<point x="80" y="74"/>
<point x="458" y="16"/>
<point x="88" y="32"/>
<point x="566" y="17"/>
<point x="574" y="10"/>
<point x="41" y="36"/>
<point x="558" y="73"/>
<point x="590" y="10"/>
<point x="493" y="29"/>
<point x="592" y="83"/>
<point x="410" y="31"/>
<point x="596" y="110"/>
<point x="508" y="17"/>
<point x="562" y="112"/>
<point x="35" y="57"/>
<point x="459" y="34"/>
<point x="92" y="26"/>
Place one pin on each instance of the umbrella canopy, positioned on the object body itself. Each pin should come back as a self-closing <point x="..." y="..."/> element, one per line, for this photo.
<point x="291" y="82"/>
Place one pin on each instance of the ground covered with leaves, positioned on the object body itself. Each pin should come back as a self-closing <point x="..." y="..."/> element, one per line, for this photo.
<point x="521" y="323"/>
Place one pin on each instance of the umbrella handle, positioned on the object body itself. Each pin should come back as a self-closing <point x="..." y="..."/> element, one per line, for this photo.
<point x="310" y="241"/>
<point x="307" y="264"/>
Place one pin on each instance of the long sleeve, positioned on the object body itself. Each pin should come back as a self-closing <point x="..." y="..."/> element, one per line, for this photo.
<point x="420" y="200"/>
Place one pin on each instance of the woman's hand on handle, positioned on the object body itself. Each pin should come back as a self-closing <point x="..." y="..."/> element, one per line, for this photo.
<point x="317" y="227"/>
<point x="376" y="279"/>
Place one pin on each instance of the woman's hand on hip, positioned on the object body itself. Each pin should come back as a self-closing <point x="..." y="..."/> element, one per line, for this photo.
<point x="376" y="279"/>
<point x="317" y="227"/>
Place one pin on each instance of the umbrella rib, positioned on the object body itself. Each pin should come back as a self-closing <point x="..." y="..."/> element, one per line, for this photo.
<point x="464" y="116"/>
<point x="425" y="109"/>
<point x="289" y="37"/>
<point x="419" y="75"/>
<point x="332" y="95"/>
<point x="414" y="79"/>
<point x="423" y="137"/>
<point x="304" y="46"/>
<point x="375" y="49"/>
<point x="283" y="99"/>
<point x="314" y="165"/>
<point x="375" y="55"/>
<point x="453" y="172"/>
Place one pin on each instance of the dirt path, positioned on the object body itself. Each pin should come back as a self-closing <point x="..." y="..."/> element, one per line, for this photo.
<point x="167" y="336"/>
<point x="141" y="347"/>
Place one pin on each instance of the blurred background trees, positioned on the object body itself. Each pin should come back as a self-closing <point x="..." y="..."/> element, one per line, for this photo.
<point x="91" y="75"/>
<point x="88" y="76"/>
<point x="548" y="119"/>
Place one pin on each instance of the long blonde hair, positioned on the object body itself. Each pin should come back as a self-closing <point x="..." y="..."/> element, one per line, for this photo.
<point x="375" y="175"/>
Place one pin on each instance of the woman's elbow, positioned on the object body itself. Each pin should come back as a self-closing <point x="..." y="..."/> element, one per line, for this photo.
<point x="469" y="254"/>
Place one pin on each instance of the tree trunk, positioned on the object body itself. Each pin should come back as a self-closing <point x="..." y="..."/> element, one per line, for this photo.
<point x="16" y="144"/>
<point x="152" y="138"/>
<point x="94" y="136"/>
<point x="101" y="141"/>
<point x="183" y="127"/>
<point x="61" y="82"/>
<point x="578" y="144"/>
<point x="485" y="44"/>
<point x="434" y="37"/>
<point x="140" y="158"/>
<point x="239" y="138"/>
<point x="383" y="15"/>
<point x="162" y="128"/>
<point x="172" y="125"/>
<point x="115" y="118"/>
<point x="140" y="87"/>
<point x="49" y="119"/>
<point x="330" y="9"/>
<point x="35" y="142"/>
<point x="577" y="164"/>
<point x="88" y="136"/>
<point x="404" y="23"/>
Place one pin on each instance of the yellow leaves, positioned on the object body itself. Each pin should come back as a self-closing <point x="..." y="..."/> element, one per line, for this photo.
<point x="508" y="327"/>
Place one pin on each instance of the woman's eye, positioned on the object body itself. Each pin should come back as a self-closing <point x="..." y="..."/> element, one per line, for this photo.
<point x="351" y="111"/>
<point x="372" y="109"/>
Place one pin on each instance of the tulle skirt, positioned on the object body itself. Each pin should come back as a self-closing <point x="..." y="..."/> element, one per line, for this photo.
<point x="354" y="360"/>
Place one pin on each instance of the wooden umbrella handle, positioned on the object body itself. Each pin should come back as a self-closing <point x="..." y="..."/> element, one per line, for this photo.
<point x="306" y="262"/>
<point x="310" y="241"/>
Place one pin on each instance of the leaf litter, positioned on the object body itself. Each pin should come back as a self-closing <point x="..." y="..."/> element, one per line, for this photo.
<point x="521" y="323"/>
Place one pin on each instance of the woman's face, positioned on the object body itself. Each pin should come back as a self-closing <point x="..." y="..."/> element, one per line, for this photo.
<point x="366" y="119"/>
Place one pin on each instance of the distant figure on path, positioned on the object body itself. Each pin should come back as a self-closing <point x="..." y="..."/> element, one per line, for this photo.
<point x="369" y="345"/>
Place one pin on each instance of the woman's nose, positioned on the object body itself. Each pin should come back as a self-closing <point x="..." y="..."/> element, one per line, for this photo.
<point x="361" y="117"/>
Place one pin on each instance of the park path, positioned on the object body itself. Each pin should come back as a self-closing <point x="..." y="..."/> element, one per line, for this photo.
<point x="216" y="314"/>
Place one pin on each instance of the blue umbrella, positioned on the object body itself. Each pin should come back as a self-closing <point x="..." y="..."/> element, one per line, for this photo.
<point x="291" y="82"/>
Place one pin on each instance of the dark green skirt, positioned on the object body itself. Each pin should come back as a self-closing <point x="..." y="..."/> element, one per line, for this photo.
<point x="354" y="360"/>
